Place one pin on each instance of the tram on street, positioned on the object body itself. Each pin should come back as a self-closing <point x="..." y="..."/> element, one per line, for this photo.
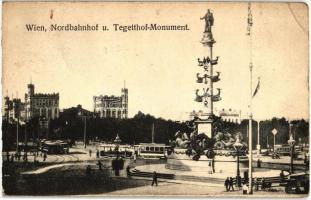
<point x="152" y="150"/>
<point x="55" y="147"/>
<point x="110" y="150"/>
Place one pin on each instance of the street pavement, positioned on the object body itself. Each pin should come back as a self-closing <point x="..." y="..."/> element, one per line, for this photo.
<point x="186" y="188"/>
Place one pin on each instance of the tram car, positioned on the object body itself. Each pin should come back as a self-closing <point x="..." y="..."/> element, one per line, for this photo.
<point x="152" y="150"/>
<point x="285" y="150"/>
<point x="55" y="147"/>
<point x="110" y="150"/>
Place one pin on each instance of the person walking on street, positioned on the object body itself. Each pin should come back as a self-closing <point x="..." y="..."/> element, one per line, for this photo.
<point x="88" y="170"/>
<point x="231" y="184"/>
<point x="306" y="161"/>
<point x="155" y="179"/>
<point x="282" y="176"/>
<point x="99" y="165"/>
<point x="90" y="153"/>
<point x="227" y="181"/>
<point x="7" y="156"/>
<point x="256" y="183"/>
<point x="97" y="153"/>
<point x="263" y="184"/>
<point x="134" y="157"/>
<point x="128" y="172"/>
<point x="44" y="156"/>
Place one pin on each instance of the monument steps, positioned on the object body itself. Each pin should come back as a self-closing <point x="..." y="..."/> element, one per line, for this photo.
<point x="135" y="172"/>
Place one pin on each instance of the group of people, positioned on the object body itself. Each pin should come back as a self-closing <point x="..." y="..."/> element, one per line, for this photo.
<point x="229" y="184"/>
<point x="17" y="156"/>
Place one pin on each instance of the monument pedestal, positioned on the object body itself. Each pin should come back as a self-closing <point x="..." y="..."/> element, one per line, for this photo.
<point x="204" y="126"/>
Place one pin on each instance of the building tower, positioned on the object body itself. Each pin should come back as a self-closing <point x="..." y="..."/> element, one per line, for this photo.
<point x="207" y="78"/>
<point x="7" y="107"/>
<point x="31" y="89"/>
<point x="124" y="102"/>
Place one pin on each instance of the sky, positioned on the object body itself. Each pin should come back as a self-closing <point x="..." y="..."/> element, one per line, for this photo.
<point x="160" y="67"/>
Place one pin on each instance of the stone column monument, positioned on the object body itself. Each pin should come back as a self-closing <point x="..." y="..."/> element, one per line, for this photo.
<point x="204" y="123"/>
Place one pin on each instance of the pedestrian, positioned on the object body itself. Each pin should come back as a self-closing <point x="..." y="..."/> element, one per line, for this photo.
<point x="246" y="176"/>
<point x="231" y="184"/>
<point x="134" y="157"/>
<point x="256" y="183"/>
<point x="25" y="157"/>
<point x="155" y="179"/>
<point x="238" y="181"/>
<point x="210" y="170"/>
<point x="282" y="176"/>
<point x="90" y="152"/>
<point x="244" y="188"/>
<point x="7" y="156"/>
<point x="128" y="172"/>
<point x="227" y="182"/>
<point x="88" y="170"/>
<point x="306" y="161"/>
<point x="99" y="165"/>
<point x="12" y="158"/>
<point x="263" y="184"/>
<point x="97" y="153"/>
<point x="44" y="156"/>
<point x="258" y="163"/>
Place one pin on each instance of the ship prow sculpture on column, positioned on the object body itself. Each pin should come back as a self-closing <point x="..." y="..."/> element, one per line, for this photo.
<point x="208" y="148"/>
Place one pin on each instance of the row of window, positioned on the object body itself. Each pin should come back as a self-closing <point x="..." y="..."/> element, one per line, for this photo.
<point x="110" y="105"/>
<point x="154" y="148"/>
<point x="231" y="120"/>
<point x="44" y="102"/>
<point x="47" y="112"/>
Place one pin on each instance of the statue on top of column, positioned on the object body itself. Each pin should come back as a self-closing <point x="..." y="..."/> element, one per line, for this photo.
<point x="209" y="21"/>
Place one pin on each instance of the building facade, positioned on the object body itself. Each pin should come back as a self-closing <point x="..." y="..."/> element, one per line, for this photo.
<point x="41" y="105"/>
<point x="12" y="108"/>
<point x="230" y="115"/>
<point x="112" y="106"/>
<point x="35" y="105"/>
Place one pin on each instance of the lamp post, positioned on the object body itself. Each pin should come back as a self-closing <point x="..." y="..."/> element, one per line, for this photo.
<point x="274" y="132"/>
<point x="291" y="142"/>
<point x="117" y="141"/>
<point x="238" y="145"/>
<point x="117" y="163"/>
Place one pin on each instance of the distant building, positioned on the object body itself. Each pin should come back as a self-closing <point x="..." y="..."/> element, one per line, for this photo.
<point x="112" y="106"/>
<point x="230" y="115"/>
<point x="12" y="108"/>
<point x="35" y="105"/>
<point x="41" y="105"/>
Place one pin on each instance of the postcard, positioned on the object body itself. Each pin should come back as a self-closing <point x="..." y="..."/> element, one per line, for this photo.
<point x="191" y="99"/>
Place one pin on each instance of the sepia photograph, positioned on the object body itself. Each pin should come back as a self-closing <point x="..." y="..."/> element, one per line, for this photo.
<point x="153" y="99"/>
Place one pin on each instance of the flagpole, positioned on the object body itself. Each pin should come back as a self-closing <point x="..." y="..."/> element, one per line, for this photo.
<point x="250" y="133"/>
